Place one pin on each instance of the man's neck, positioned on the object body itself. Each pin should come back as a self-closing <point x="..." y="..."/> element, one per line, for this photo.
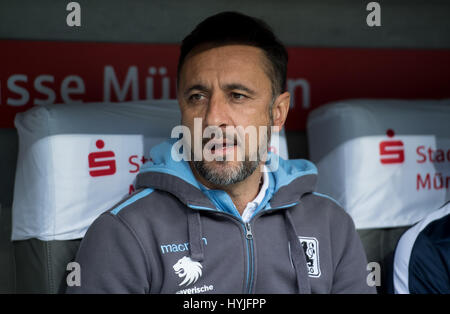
<point x="241" y="193"/>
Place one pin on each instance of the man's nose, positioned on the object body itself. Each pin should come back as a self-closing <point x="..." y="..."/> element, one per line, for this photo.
<point x="217" y="112"/>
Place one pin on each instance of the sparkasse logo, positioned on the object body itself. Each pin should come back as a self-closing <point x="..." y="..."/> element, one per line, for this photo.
<point x="392" y="151"/>
<point x="101" y="163"/>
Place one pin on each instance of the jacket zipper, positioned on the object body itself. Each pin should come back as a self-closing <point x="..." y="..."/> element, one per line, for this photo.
<point x="250" y="257"/>
<point x="250" y="248"/>
<point x="250" y="244"/>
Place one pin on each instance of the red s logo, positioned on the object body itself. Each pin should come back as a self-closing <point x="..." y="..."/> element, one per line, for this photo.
<point x="391" y="152"/>
<point x="97" y="160"/>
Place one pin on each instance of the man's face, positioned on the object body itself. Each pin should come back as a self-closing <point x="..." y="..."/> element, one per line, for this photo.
<point x="226" y="86"/>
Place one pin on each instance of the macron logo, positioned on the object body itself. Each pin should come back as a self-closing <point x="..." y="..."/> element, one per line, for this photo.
<point x="177" y="247"/>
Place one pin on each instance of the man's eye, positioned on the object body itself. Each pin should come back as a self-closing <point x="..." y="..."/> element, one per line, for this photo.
<point x="196" y="97"/>
<point x="238" y="96"/>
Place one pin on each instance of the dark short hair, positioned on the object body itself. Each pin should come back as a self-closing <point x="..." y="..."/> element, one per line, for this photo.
<point x="236" y="28"/>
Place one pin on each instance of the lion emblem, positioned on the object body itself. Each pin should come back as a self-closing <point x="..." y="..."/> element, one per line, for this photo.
<point x="185" y="267"/>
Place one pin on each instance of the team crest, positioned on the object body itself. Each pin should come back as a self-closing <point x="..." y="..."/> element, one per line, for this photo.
<point x="189" y="269"/>
<point x="311" y="248"/>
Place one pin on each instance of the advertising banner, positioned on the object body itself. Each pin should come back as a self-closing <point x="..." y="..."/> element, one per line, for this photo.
<point x="37" y="73"/>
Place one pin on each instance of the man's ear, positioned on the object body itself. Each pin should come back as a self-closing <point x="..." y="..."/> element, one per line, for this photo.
<point x="280" y="110"/>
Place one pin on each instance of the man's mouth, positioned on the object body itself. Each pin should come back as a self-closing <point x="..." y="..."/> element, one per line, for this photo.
<point x="224" y="147"/>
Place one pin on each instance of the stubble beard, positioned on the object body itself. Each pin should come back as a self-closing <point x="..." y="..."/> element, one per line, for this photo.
<point x="224" y="172"/>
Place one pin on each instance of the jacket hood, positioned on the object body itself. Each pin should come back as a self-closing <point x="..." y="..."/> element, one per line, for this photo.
<point x="288" y="181"/>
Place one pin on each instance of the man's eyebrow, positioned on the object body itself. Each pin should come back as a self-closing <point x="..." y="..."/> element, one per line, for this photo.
<point x="231" y="86"/>
<point x="238" y="86"/>
<point x="198" y="87"/>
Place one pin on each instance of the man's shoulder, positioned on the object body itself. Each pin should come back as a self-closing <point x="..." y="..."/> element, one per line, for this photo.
<point x="434" y="228"/>
<point x="130" y="202"/>
<point x="325" y="206"/>
<point x="146" y="202"/>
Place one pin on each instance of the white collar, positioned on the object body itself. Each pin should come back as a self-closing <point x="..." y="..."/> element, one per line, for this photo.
<point x="251" y="206"/>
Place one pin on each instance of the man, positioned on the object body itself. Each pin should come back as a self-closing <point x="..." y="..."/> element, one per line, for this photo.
<point x="227" y="224"/>
<point x="422" y="256"/>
